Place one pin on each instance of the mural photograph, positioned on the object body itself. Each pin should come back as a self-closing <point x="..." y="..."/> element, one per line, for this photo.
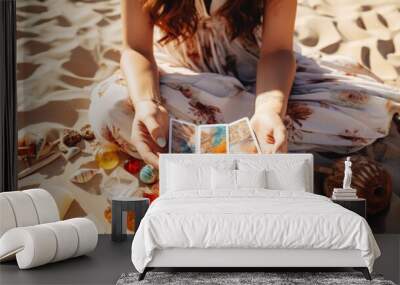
<point x="93" y="115"/>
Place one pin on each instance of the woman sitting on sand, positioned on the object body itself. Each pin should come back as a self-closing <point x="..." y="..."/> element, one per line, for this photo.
<point x="214" y="61"/>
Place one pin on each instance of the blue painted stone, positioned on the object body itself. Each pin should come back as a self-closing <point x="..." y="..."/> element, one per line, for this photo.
<point x="148" y="174"/>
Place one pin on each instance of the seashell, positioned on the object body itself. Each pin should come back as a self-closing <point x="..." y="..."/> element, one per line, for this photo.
<point x="132" y="165"/>
<point x="87" y="133"/>
<point x="26" y="138"/>
<point x="370" y="179"/>
<point x="39" y="165"/>
<point x="37" y="145"/>
<point x="27" y="145"/>
<point x="84" y="175"/>
<point x="148" y="174"/>
<point x="43" y="147"/>
<point x="71" y="137"/>
<point x="26" y="151"/>
<point x="72" y="152"/>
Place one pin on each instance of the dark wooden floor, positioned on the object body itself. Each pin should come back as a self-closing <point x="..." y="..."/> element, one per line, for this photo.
<point x="103" y="266"/>
<point x="110" y="259"/>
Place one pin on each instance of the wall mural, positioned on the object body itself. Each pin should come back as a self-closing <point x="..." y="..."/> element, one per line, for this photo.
<point x="66" y="47"/>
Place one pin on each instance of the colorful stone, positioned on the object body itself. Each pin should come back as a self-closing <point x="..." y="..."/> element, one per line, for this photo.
<point x="133" y="166"/>
<point x="148" y="174"/>
<point x="152" y="193"/>
<point x="107" y="157"/>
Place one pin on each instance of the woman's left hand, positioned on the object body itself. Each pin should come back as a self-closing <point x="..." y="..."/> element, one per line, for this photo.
<point x="270" y="131"/>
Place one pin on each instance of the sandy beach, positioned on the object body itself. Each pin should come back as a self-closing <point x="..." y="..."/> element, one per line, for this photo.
<point x="66" y="47"/>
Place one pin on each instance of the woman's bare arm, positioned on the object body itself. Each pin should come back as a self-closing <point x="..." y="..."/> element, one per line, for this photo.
<point x="137" y="60"/>
<point x="150" y="125"/>
<point x="276" y="70"/>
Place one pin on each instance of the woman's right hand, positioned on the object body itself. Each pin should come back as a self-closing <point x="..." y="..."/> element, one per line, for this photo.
<point x="150" y="130"/>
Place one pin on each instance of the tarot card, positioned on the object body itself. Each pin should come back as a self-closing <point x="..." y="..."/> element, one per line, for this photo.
<point x="182" y="137"/>
<point x="242" y="138"/>
<point x="213" y="138"/>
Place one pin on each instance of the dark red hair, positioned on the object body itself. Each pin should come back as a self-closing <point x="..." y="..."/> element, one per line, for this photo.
<point x="178" y="19"/>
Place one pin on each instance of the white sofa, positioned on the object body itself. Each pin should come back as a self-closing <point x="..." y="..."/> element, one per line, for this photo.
<point x="31" y="233"/>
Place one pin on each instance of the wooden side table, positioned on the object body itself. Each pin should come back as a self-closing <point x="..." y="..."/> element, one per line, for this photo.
<point x="119" y="208"/>
<point x="358" y="205"/>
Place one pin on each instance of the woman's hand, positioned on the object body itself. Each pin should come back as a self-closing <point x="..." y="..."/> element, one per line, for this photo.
<point x="270" y="131"/>
<point x="150" y="130"/>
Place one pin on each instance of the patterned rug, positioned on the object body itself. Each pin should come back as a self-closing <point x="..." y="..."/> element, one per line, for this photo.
<point x="242" y="278"/>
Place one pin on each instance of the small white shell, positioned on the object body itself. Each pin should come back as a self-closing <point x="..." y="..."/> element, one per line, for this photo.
<point x="83" y="175"/>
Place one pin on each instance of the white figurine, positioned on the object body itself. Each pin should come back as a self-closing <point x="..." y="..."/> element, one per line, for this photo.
<point x="347" y="174"/>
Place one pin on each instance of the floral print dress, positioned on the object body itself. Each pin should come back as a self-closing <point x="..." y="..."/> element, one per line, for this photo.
<point x="335" y="104"/>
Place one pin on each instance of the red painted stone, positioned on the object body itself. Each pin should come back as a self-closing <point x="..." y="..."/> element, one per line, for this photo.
<point x="151" y="196"/>
<point x="152" y="193"/>
<point x="132" y="166"/>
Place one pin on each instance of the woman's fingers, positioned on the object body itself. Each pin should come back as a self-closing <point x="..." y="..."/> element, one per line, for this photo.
<point x="267" y="145"/>
<point x="145" y="144"/>
<point x="156" y="131"/>
<point x="280" y="139"/>
<point x="265" y="139"/>
<point x="163" y="120"/>
<point x="267" y="148"/>
<point x="146" y="153"/>
<point x="271" y="132"/>
<point x="284" y="148"/>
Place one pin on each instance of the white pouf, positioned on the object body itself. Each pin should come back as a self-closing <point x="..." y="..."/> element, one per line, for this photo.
<point x="26" y="208"/>
<point x="46" y="207"/>
<point x="37" y="245"/>
<point x="7" y="220"/>
<point x="31" y="232"/>
<point x="23" y="209"/>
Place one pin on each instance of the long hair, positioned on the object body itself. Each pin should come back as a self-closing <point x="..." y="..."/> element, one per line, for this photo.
<point x="179" y="19"/>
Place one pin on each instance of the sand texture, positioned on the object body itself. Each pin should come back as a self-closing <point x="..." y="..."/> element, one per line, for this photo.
<point x="66" y="46"/>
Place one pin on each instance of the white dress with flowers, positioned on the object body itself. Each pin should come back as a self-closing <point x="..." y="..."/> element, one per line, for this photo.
<point x="335" y="104"/>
